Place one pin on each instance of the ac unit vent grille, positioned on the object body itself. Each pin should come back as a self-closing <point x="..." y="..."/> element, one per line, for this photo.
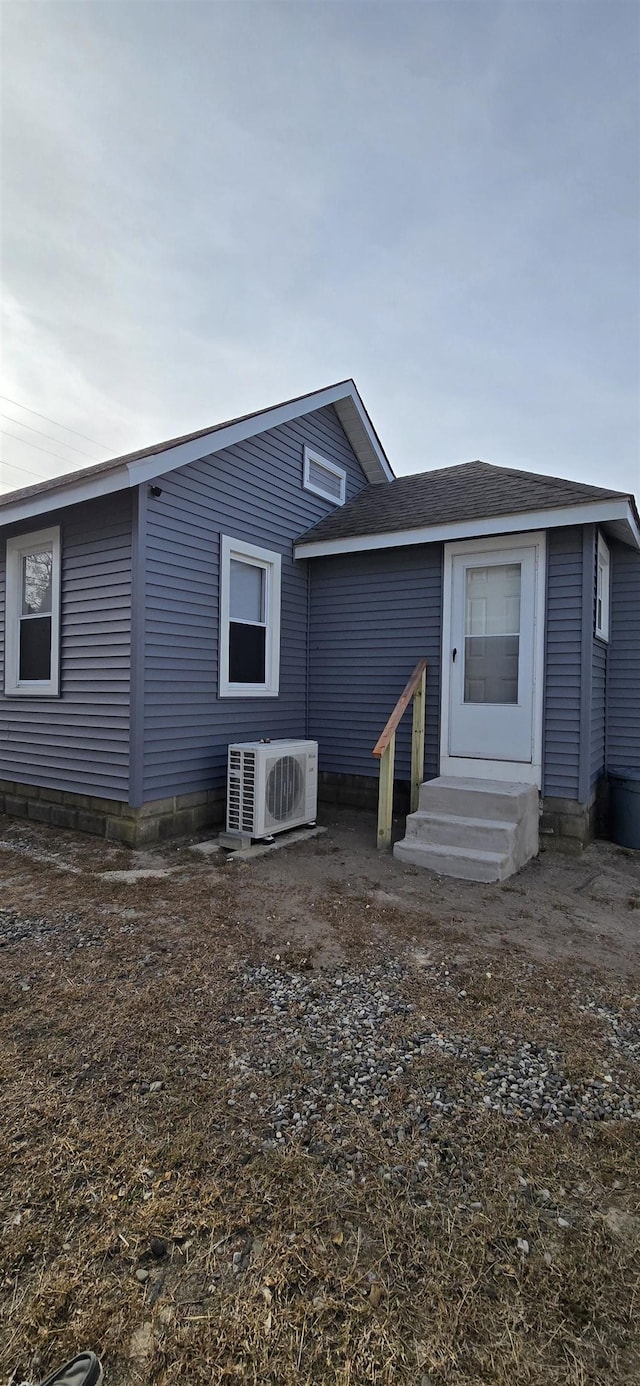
<point x="241" y="790"/>
<point x="285" y="788"/>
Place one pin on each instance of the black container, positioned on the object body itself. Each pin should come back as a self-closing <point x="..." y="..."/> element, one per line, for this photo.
<point x="624" y="789"/>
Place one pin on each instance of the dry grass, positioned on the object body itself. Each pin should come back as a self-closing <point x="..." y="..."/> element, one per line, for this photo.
<point x="336" y="1281"/>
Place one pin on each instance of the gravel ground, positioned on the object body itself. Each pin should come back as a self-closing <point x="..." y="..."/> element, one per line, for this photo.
<point x="318" y="1119"/>
<point x="351" y="1039"/>
<point x="36" y="928"/>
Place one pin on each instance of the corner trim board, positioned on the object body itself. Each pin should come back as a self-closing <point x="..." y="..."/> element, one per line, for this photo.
<point x="137" y="647"/>
<point x="586" y="661"/>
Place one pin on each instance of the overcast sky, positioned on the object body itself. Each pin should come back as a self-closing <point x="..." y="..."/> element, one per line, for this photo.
<point x="209" y="207"/>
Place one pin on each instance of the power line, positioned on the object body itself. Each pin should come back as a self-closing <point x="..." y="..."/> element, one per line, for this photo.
<point x="40" y="434"/>
<point x="34" y="445"/>
<point x="55" y="423"/>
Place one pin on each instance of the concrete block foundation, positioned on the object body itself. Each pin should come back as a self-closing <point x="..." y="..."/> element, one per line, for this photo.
<point x="109" y="818"/>
<point x="359" y="791"/>
<point x="566" y="825"/>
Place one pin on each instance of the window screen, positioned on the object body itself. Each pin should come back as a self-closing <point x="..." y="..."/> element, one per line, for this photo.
<point x="246" y="602"/>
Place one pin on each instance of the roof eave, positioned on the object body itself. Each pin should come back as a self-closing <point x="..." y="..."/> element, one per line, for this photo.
<point x="71" y="493"/>
<point x="344" y="396"/>
<point x="618" y="516"/>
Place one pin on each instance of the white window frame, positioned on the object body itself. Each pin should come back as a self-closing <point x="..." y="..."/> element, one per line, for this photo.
<point x="603" y="589"/>
<point x="309" y="456"/>
<point x="17" y="547"/>
<point x="271" y="564"/>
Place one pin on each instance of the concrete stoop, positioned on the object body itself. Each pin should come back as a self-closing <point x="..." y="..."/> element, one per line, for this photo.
<point x="477" y="830"/>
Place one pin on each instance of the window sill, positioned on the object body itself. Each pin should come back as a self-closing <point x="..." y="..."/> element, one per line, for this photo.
<point x="243" y="692"/>
<point x="32" y="693"/>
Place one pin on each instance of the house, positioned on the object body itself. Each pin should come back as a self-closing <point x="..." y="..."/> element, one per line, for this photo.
<point x="270" y="578"/>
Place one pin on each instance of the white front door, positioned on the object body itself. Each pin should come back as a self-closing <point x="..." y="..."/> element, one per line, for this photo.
<point x="492" y="659"/>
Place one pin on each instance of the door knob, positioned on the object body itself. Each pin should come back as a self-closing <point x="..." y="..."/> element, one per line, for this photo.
<point x="454" y="653"/>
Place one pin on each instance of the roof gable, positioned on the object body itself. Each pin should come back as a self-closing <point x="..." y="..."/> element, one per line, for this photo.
<point x="134" y="468"/>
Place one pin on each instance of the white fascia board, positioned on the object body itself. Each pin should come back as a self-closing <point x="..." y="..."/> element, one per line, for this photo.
<point x="135" y="473"/>
<point x="70" y="494"/>
<point x="353" y="399"/>
<point x="592" y="512"/>
<point x="633" y="525"/>
<point x="149" y="467"/>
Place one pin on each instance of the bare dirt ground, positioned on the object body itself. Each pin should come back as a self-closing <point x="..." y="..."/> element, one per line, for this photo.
<point x="319" y="1117"/>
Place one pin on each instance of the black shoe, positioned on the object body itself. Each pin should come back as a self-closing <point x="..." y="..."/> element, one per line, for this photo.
<point x="84" y="1370"/>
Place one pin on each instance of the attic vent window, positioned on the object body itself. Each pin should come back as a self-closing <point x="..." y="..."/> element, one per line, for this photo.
<point x="324" y="478"/>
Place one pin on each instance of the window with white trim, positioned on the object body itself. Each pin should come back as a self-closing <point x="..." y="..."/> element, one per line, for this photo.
<point x="32" y="619"/>
<point x="324" y="478"/>
<point x="249" y="620"/>
<point x="602" y="590"/>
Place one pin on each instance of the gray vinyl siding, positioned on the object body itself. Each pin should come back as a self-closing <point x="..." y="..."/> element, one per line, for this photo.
<point x="252" y="491"/>
<point x="373" y="615"/>
<point x="598" y="711"/>
<point x="623" y="687"/>
<point x="79" y="741"/>
<point x="563" y="664"/>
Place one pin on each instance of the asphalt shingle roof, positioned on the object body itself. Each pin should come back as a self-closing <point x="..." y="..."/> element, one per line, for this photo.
<point x="469" y="491"/>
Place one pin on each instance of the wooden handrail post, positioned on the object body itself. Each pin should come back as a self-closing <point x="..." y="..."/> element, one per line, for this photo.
<point x="417" y="740"/>
<point x="385" y="793"/>
<point x="385" y="750"/>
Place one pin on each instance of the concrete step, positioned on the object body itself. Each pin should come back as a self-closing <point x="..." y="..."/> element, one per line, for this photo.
<point x="465" y="864"/>
<point x="477" y="830"/>
<point x="452" y="830"/>
<point x="503" y="800"/>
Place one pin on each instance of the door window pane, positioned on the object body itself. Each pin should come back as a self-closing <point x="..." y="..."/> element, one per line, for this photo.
<point x="35" y="649"/>
<point x="246" y="601"/>
<point x="492" y="633"/>
<point x="37" y="570"/>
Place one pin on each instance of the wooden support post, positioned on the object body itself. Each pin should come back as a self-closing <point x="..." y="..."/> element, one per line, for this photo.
<point x="385" y="750"/>
<point x="417" y="740"/>
<point x="385" y="793"/>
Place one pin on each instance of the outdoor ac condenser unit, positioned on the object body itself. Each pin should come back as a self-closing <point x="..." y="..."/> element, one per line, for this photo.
<point x="271" y="785"/>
